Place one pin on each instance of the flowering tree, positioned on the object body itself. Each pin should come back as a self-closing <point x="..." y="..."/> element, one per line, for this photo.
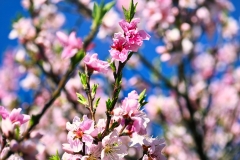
<point x="71" y="105"/>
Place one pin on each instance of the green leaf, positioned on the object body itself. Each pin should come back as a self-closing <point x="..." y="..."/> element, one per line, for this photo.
<point x="99" y="12"/>
<point x="129" y="14"/>
<point x="132" y="10"/>
<point x="83" y="78"/>
<point x="125" y="12"/>
<point x="95" y="10"/>
<point x="55" y="157"/>
<point x="108" y="104"/>
<point x="96" y="104"/>
<point x="108" y="6"/>
<point x="142" y="95"/>
<point x="94" y="90"/>
<point x="82" y="99"/>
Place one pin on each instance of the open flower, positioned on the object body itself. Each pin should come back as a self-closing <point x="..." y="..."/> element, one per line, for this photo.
<point x="67" y="156"/>
<point x="14" y="116"/>
<point x="129" y="41"/>
<point x="133" y="36"/>
<point x="153" y="147"/>
<point x="93" y="152"/>
<point x="23" y="29"/>
<point x="70" y="43"/>
<point x="118" y="50"/>
<point x="12" y="119"/>
<point x="113" y="149"/>
<point x="93" y="63"/>
<point x="73" y="146"/>
<point x="128" y="114"/>
<point x="79" y="132"/>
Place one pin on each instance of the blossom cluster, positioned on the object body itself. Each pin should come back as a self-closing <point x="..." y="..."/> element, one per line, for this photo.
<point x="192" y="83"/>
<point x="129" y="41"/>
<point x="87" y="140"/>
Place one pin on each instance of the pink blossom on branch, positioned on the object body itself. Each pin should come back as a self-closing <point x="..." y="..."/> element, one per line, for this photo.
<point x="113" y="148"/>
<point x="154" y="148"/>
<point x="93" y="63"/>
<point x="12" y="119"/>
<point x="129" y="41"/>
<point x="67" y="156"/>
<point x="3" y="112"/>
<point x="15" y="116"/>
<point x="118" y="50"/>
<point x="133" y="37"/>
<point x="93" y="152"/>
<point x="71" y="44"/>
<point x="129" y="114"/>
<point x="23" y="29"/>
<point x="79" y="132"/>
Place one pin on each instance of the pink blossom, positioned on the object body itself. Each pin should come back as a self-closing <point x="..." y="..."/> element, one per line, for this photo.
<point x="93" y="63"/>
<point x="227" y="53"/>
<point x="131" y="102"/>
<point x="99" y="128"/>
<point x="154" y="148"/>
<point x="73" y="146"/>
<point x="134" y="37"/>
<point x="173" y="35"/>
<point x="113" y="147"/>
<point x="52" y="18"/>
<point x="4" y="152"/>
<point x="118" y="50"/>
<point x="3" y="112"/>
<point x="130" y="41"/>
<point x="23" y="29"/>
<point x="7" y="126"/>
<point x="158" y="13"/>
<point x="129" y="110"/>
<point x="166" y="104"/>
<point x="126" y="26"/>
<point x="15" y="116"/>
<point x="93" y="152"/>
<point x="204" y="63"/>
<point x="204" y="15"/>
<point x="70" y="43"/>
<point x="68" y="156"/>
<point x="12" y="119"/>
<point x="79" y="132"/>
